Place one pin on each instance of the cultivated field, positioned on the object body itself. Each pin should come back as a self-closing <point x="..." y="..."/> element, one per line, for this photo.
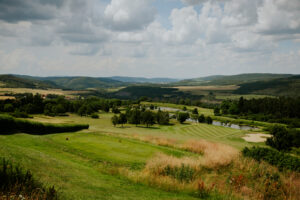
<point x="67" y="93"/>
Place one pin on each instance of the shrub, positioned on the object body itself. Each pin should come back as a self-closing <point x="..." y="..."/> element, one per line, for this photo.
<point x="94" y="116"/>
<point x="183" y="173"/>
<point x="17" y="183"/>
<point x="182" y="117"/>
<point x="201" y="118"/>
<point x="209" y="120"/>
<point x="282" y="160"/>
<point x="11" y="125"/>
<point x="19" y="114"/>
<point x="283" y="139"/>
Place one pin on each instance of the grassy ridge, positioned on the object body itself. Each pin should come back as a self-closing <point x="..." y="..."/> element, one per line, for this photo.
<point x="12" y="125"/>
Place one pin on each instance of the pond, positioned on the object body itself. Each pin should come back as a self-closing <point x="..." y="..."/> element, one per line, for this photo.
<point x="235" y="126"/>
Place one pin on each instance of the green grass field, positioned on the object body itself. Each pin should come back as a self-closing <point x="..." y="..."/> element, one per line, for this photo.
<point x="81" y="167"/>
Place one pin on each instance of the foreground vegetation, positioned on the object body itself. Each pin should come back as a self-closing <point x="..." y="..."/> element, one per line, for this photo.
<point x="145" y="150"/>
<point x="11" y="125"/>
<point x="19" y="184"/>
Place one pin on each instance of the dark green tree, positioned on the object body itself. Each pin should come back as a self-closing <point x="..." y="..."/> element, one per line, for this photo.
<point x="122" y="119"/>
<point x="147" y="118"/>
<point x="201" y="118"/>
<point x="209" y="120"/>
<point x="182" y="116"/>
<point x="115" y="120"/>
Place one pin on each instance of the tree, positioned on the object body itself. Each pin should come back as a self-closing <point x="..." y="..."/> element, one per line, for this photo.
<point x="147" y="118"/>
<point x="201" y="118"/>
<point x="8" y="107"/>
<point x="122" y="119"/>
<point x="115" y="110"/>
<point x="115" y="120"/>
<point x="182" y="116"/>
<point x="162" y="118"/>
<point x="134" y="116"/>
<point x="209" y="120"/>
<point x="151" y="107"/>
<point x="195" y="111"/>
<point x="82" y="110"/>
<point x="281" y="139"/>
<point x="217" y="111"/>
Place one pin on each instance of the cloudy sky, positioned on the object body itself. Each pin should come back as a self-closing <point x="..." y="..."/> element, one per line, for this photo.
<point x="149" y="38"/>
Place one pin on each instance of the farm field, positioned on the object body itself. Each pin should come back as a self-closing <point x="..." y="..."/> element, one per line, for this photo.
<point x="67" y="93"/>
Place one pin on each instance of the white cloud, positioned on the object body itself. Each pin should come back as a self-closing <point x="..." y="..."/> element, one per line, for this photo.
<point x="126" y="15"/>
<point x="129" y="37"/>
<point x="279" y="17"/>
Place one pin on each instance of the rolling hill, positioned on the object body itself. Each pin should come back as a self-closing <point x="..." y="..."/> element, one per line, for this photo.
<point x="230" y="80"/>
<point x="289" y="86"/>
<point x="143" y="80"/>
<point x="80" y="83"/>
<point x="12" y="81"/>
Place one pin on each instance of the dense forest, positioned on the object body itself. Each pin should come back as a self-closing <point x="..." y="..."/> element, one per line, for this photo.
<point x="280" y="110"/>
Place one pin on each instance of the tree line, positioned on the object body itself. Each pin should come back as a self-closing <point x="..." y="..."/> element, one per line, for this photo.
<point x="54" y="105"/>
<point x="140" y="115"/>
<point x="276" y="110"/>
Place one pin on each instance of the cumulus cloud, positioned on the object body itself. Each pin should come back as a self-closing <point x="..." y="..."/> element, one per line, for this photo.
<point x="279" y="17"/>
<point x="116" y="36"/>
<point x="126" y="15"/>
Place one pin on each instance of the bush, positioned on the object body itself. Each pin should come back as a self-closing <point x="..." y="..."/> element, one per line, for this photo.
<point x="19" y="114"/>
<point x="184" y="173"/>
<point x="15" y="182"/>
<point x="209" y="120"/>
<point x="11" y="125"/>
<point x="283" y="139"/>
<point x="282" y="160"/>
<point x="182" y="116"/>
<point x="95" y="116"/>
<point x="201" y="118"/>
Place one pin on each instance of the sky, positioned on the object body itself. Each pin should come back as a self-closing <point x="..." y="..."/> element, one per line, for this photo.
<point x="149" y="38"/>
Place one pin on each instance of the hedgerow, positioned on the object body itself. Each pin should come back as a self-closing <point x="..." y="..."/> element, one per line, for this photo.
<point x="9" y="125"/>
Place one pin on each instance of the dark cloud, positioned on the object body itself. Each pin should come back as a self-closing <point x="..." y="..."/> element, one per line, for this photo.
<point x="26" y="10"/>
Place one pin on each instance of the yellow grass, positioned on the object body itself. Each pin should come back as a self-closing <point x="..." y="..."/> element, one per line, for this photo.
<point x="6" y="97"/>
<point x="67" y="93"/>
<point x="215" y="154"/>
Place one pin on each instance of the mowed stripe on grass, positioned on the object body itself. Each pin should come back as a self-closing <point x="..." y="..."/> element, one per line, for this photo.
<point x="209" y="131"/>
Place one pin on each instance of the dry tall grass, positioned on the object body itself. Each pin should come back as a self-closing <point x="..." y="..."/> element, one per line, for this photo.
<point x="215" y="155"/>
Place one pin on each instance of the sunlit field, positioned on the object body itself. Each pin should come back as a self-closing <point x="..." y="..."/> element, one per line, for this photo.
<point x="107" y="162"/>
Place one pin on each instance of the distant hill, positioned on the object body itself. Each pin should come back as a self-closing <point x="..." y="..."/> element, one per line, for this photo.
<point x="289" y="86"/>
<point x="143" y="80"/>
<point x="11" y="81"/>
<point x="230" y="80"/>
<point x="79" y="83"/>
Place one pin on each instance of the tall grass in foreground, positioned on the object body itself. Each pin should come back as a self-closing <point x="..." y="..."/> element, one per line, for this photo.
<point x="9" y="125"/>
<point x="16" y="183"/>
<point x="217" y="170"/>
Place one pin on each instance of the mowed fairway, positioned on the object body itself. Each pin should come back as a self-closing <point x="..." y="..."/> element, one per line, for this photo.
<point x="81" y="165"/>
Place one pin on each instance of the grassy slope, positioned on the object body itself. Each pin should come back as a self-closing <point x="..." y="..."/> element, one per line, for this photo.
<point x="231" y="80"/>
<point x="11" y="81"/>
<point x="79" y="167"/>
<point x="76" y="166"/>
